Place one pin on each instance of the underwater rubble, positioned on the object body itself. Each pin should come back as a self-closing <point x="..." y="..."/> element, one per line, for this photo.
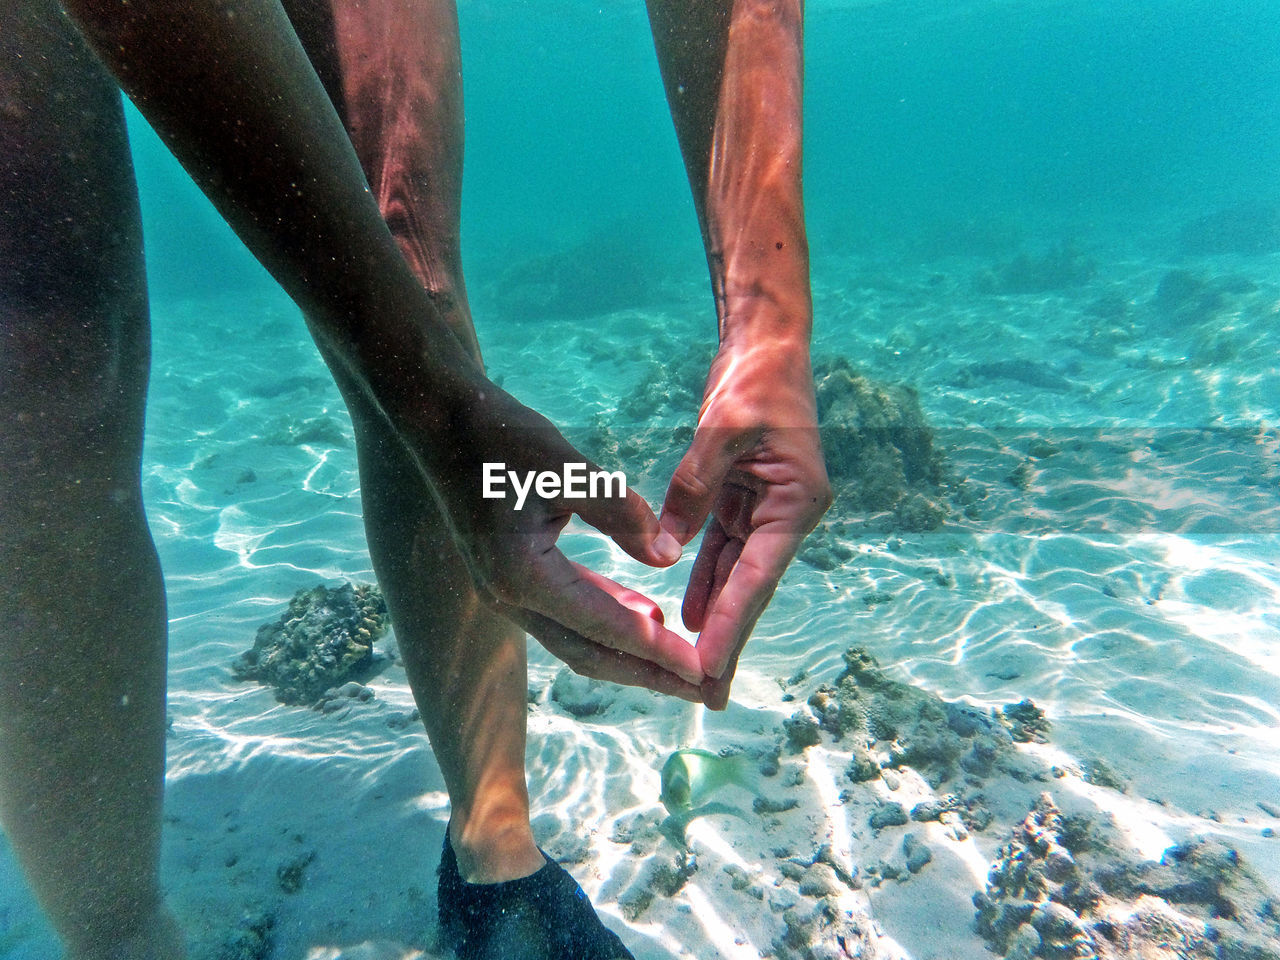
<point x="886" y="726"/>
<point x="887" y="471"/>
<point x="945" y="742"/>
<point x="582" y="696"/>
<point x="323" y="641"/>
<point x="879" y="449"/>
<point x="1064" y="887"/>
<point x="881" y="454"/>
<point x="1062" y="266"/>
<point x="253" y="939"/>
<point x="1061" y="885"/>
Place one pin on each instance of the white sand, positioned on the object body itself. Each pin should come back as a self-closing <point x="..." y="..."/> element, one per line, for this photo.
<point x="1147" y="643"/>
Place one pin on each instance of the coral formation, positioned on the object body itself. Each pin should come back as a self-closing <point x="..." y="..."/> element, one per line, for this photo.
<point x="672" y="386"/>
<point x="337" y="698"/>
<point x="888" y="814"/>
<point x="917" y="852"/>
<point x="1100" y="773"/>
<point x="1184" y="299"/>
<point x="822" y="548"/>
<point x="254" y="938"/>
<point x="1063" y="887"/>
<point x="802" y="731"/>
<point x="1212" y="317"/>
<point x="1062" y="266"/>
<point x="1244" y="229"/>
<point x="880" y="452"/>
<point x="941" y="740"/>
<point x="611" y="270"/>
<point x="581" y="696"/>
<point x="821" y="932"/>
<point x="660" y="877"/>
<point x="1031" y="373"/>
<point x="875" y="436"/>
<point x="1026" y="722"/>
<point x="322" y="641"/>
<point x="651" y="427"/>
<point x="879" y="449"/>
<point x="291" y="873"/>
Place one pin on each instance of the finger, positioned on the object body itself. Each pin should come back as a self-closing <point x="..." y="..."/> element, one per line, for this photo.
<point x="697" y="480"/>
<point x="697" y="595"/>
<point x="746" y="592"/>
<point x="724" y="566"/>
<point x="715" y="691"/>
<point x="580" y="605"/>
<point x="629" y="598"/>
<point x="602" y="663"/>
<point x="630" y="523"/>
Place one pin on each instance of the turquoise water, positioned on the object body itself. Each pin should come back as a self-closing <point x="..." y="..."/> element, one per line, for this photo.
<point x="1056" y="221"/>
<point x="1090" y="118"/>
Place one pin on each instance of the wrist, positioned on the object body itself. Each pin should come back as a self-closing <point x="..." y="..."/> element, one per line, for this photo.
<point x="398" y="348"/>
<point x="757" y="382"/>
<point x="764" y="296"/>
<point x="761" y="324"/>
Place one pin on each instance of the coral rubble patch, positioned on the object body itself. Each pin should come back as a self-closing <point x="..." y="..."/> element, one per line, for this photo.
<point x="1065" y="887"/>
<point x="322" y="641"/>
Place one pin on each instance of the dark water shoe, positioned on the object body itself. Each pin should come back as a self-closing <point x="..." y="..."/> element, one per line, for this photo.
<point x="544" y="916"/>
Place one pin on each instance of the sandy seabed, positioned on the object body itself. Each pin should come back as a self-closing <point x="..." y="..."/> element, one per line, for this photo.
<point x="1113" y="560"/>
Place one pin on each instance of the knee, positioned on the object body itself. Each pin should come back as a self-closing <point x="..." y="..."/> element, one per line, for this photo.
<point x="72" y="391"/>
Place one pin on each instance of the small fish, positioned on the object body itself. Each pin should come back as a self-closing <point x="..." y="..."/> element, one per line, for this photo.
<point x="690" y="776"/>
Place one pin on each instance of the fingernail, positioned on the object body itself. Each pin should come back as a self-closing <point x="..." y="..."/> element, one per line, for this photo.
<point x="667" y="548"/>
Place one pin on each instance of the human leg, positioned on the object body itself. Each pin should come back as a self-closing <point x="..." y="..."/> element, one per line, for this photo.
<point x="392" y="69"/>
<point x="82" y="654"/>
<point x="466" y="664"/>
<point x="498" y="894"/>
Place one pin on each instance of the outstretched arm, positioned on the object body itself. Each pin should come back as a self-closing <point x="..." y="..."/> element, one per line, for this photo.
<point x="733" y="72"/>
<point x="230" y="90"/>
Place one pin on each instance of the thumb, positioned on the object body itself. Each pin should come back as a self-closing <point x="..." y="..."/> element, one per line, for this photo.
<point x="630" y="523"/>
<point x="697" y="480"/>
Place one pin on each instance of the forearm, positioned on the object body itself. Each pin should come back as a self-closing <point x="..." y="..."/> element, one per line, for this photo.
<point x="230" y="90"/>
<point x="733" y="72"/>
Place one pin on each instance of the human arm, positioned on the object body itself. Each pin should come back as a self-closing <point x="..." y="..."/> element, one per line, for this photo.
<point x="229" y="88"/>
<point x="733" y="72"/>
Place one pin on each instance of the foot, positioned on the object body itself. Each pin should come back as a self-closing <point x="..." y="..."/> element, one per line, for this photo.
<point x="495" y="848"/>
<point x="544" y="916"/>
